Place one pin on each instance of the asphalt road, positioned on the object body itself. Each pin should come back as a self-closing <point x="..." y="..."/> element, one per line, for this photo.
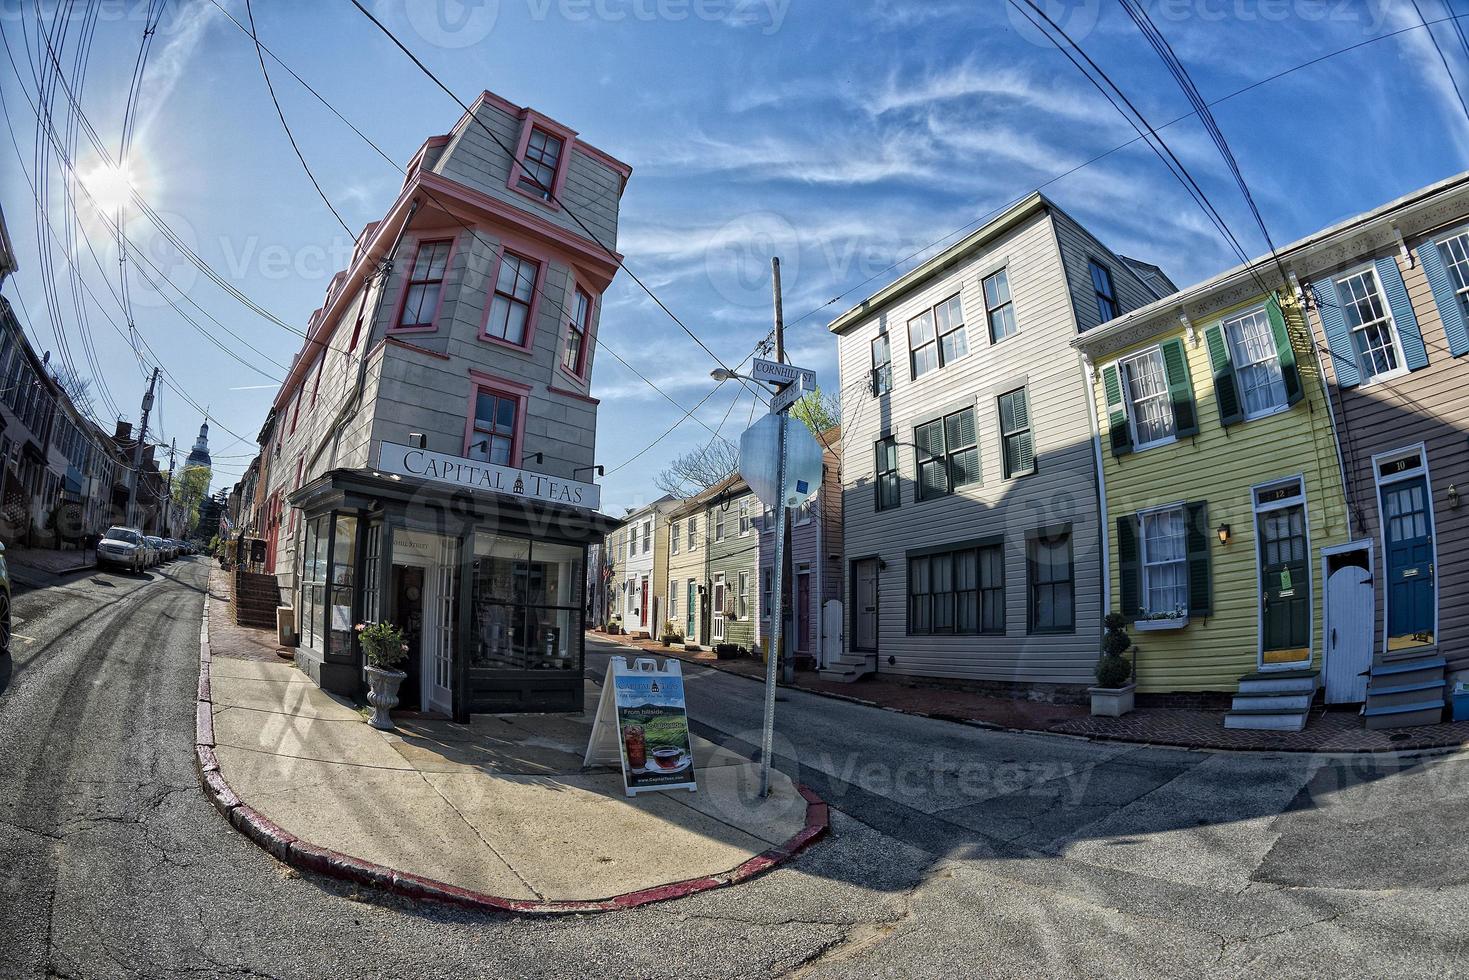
<point x="955" y="851"/>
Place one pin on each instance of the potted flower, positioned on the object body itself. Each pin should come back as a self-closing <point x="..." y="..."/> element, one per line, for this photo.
<point x="382" y="644"/>
<point x="1113" y="695"/>
<point x="671" y="635"/>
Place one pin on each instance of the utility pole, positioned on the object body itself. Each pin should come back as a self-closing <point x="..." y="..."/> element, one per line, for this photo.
<point x="787" y="577"/>
<point x="168" y="490"/>
<point x="138" y="449"/>
<point x="767" y="742"/>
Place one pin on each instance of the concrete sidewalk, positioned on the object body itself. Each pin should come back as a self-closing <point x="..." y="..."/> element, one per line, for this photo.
<point x="500" y="811"/>
<point x="52" y="561"/>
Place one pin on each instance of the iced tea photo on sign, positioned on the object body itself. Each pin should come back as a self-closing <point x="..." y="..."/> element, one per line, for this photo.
<point x="654" y="726"/>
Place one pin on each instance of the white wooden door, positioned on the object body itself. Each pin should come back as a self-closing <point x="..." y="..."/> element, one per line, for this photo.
<point x="439" y="630"/>
<point x="1349" y="618"/>
<point x="718" y="617"/>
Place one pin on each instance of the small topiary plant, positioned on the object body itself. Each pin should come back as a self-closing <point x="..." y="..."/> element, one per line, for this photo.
<point x="382" y="644"/>
<point x="1113" y="669"/>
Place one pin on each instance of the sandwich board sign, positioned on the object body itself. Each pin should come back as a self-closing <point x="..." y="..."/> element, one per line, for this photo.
<point x="643" y="721"/>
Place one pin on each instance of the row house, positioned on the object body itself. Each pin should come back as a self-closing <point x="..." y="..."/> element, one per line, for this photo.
<point x="1285" y="444"/>
<point x="688" y="550"/>
<point x="970" y="510"/>
<point x="815" y="571"/>
<point x="1221" y="490"/>
<point x="429" y="450"/>
<point x="638" y="553"/>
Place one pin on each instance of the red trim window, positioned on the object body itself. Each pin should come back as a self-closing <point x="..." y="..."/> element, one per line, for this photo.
<point x="493" y="430"/>
<point x="515" y="285"/>
<point x="316" y="385"/>
<point x="296" y="411"/>
<point x="539" y="164"/>
<point x="579" y="324"/>
<point x="357" y="327"/>
<point x="300" y="468"/>
<point x="425" y="283"/>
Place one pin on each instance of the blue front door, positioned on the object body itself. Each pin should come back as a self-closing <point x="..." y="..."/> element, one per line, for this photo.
<point x="1408" y="542"/>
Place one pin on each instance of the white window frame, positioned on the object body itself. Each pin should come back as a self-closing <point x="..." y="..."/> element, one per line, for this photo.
<point x="1131" y="406"/>
<point x="719" y="523"/>
<point x="742" y="597"/>
<point x="744" y="516"/>
<point x="1461" y="292"/>
<point x="674" y="530"/>
<point x="693" y="533"/>
<point x="1283" y="404"/>
<point x="1182" y="614"/>
<point x="1392" y="326"/>
<point x="647" y="536"/>
<point x="673" y="601"/>
<point x="1378" y="482"/>
<point x="767" y="591"/>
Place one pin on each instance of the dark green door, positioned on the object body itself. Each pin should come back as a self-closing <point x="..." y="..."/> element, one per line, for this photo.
<point x="1285" y="588"/>
<point x="692" y="634"/>
<point x="1408" y="533"/>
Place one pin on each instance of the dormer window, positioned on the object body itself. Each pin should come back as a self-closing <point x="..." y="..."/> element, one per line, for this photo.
<point x="540" y="162"/>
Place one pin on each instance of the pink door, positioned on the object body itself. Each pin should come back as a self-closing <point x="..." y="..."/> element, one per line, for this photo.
<point x="643" y="616"/>
<point x="803" y="612"/>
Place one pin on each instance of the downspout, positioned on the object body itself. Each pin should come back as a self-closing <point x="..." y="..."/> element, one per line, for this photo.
<point x="1089" y="373"/>
<point x="354" y="403"/>
<point x="819" y="567"/>
<point x="1348" y="495"/>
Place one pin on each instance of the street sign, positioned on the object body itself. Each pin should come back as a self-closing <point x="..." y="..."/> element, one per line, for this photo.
<point x="760" y="460"/>
<point x="788" y="396"/>
<point x="775" y="372"/>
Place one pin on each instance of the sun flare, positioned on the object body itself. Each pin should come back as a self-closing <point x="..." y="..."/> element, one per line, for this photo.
<point x="110" y="186"/>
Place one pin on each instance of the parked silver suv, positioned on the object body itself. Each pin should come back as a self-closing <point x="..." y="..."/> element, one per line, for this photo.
<point x="124" y="548"/>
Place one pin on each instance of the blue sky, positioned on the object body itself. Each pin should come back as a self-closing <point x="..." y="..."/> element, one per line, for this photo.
<point x="842" y="136"/>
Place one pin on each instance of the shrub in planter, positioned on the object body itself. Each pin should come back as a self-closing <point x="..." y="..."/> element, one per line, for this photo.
<point x="671" y="635"/>
<point x="726" y="651"/>
<point x="383" y="646"/>
<point x="1113" y="669"/>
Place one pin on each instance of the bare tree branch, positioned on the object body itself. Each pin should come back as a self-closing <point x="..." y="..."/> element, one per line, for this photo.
<point x="699" y="469"/>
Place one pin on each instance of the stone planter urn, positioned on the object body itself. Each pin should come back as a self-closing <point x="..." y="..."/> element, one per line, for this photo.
<point x="382" y="694"/>
<point x="1112" y="702"/>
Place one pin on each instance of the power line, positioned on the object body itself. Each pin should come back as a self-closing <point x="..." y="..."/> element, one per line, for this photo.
<point x="1453" y="82"/>
<point x="250" y="13"/>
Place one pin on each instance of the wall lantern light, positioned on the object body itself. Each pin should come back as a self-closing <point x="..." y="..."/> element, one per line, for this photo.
<point x="1224" y="534"/>
<point x="1453" y="497"/>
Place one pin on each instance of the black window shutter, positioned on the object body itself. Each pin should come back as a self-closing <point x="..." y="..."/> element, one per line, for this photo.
<point x="1117" y="427"/>
<point x="1285" y="351"/>
<point x="1200" y="571"/>
<point x="1129" y="569"/>
<point x="1180" y="387"/>
<point x="1226" y="394"/>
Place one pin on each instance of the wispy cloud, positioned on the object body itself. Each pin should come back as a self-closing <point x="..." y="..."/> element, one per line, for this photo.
<point x="167" y="66"/>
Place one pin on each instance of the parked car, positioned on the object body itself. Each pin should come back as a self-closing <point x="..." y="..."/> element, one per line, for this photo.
<point x="170" y="549"/>
<point x="4" y="605"/>
<point x="123" y="547"/>
<point x="155" y="545"/>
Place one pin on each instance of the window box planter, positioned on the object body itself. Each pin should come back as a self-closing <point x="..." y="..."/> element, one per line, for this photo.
<point x="1154" y="625"/>
<point x="1112" y="702"/>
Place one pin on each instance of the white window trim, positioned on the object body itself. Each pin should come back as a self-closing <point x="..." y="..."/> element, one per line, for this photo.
<point x="1257" y="509"/>
<point x="1223" y="325"/>
<point x="1127" y="403"/>
<point x="1421" y="451"/>
<point x="742" y="596"/>
<point x="1172" y="622"/>
<point x="1392" y="326"/>
<point x="745" y="520"/>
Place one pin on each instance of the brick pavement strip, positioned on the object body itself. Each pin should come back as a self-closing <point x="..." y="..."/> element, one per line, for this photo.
<point x="306" y="856"/>
<point x="1327" y="731"/>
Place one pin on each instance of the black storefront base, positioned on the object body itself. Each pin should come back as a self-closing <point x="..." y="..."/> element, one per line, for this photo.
<point x="379" y="509"/>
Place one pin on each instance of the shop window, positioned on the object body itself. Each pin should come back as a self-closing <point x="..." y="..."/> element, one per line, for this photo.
<point x="527" y="605"/>
<point x="343" y="574"/>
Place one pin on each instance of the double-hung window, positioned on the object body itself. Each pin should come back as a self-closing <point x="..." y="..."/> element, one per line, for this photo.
<point x="1256" y="363"/>
<point x="1145" y="381"/>
<point x="1373" y="336"/>
<point x="744" y="596"/>
<point x="425" y="283"/>
<point x="693" y="541"/>
<point x="719" y="523"/>
<point x="577" y="327"/>
<point x="1016" y="443"/>
<point x="936" y="337"/>
<point x="1164" y="562"/>
<point x="767" y="589"/>
<point x="947" y="454"/>
<point x="647" y="536"/>
<point x="1455" y="253"/>
<point x="882" y="365"/>
<point x="1106" y="296"/>
<point x="958" y="592"/>
<point x="1051" y="587"/>
<point x="744" y="516"/>
<point x="673" y="537"/>
<point x="542" y="157"/>
<point x="632" y="541"/>
<point x="515" y="285"/>
<point x="886" y="483"/>
<point x="492" y="436"/>
<point x="673" y="599"/>
<point x="998" y="308"/>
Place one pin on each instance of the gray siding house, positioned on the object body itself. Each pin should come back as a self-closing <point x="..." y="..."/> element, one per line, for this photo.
<point x="969" y="477"/>
<point x="429" y="447"/>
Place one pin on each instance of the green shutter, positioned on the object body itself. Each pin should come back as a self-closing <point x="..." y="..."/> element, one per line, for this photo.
<point x="1180" y="387"/>
<point x="1200" y="572"/>
<point x="1128" y="568"/>
<point x="1285" y="351"/>
<point x="1117" y="426"/>
<point x="1226" y="392"/>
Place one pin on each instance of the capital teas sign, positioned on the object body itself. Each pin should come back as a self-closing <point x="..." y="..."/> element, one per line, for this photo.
<point x="473" y="474"/>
